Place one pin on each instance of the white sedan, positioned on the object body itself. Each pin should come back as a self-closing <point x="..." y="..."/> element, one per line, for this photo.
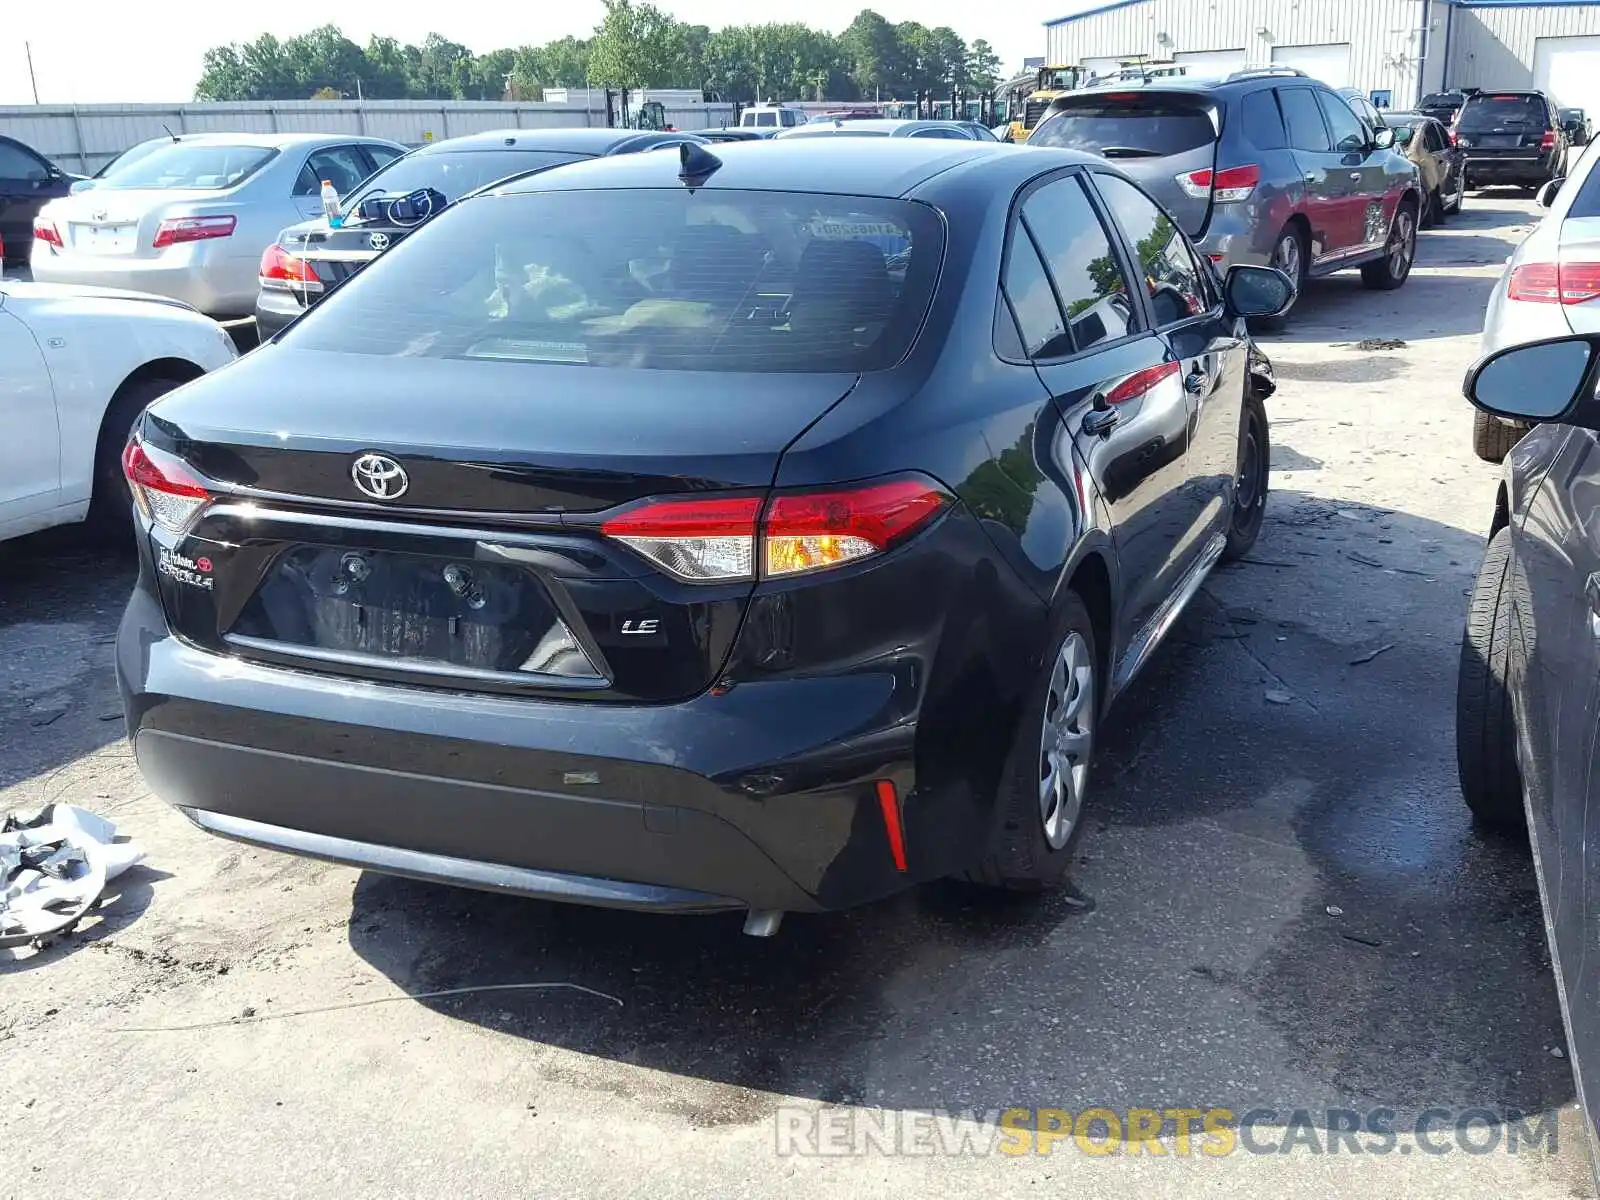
<point x="77" y="365"/>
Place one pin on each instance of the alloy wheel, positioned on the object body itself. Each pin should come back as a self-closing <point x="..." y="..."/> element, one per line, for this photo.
<point x="1248" y="486"/>
<point x="1066" y="740"/>
<point x="1402" y="244"/>
<point x="1287" y="257"/>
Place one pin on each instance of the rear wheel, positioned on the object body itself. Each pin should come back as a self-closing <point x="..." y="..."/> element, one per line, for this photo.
<point x="1394" y="268"/>
<point x="1289" y="255"/>
<point x="110" y="508"/>
<point x="1493" y="438"/>
<point x="1039" y="812"/>
<point x="1454" y="206"/>
<point x="1486" y="740"/>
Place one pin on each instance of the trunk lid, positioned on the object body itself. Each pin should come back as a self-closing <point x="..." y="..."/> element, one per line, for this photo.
<point x="1152" y="135"/>
<point x="489" y="572"/>
<point x="1580" y="244"/>
<point x="122" y="223"/>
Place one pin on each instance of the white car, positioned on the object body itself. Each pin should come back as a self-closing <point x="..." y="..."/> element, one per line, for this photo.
<point x="1550" y="287"/>
<point x="77" y="366"/>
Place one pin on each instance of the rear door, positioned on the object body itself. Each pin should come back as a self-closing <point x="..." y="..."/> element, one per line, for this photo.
<point x="1165" y="140"/>
<point x="30" y="459"/>
<point x="1111" y="377"/>
<point x="1322" y="172"/>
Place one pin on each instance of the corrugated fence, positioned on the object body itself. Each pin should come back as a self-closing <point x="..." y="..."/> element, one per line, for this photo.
<point x="83" y="138"/>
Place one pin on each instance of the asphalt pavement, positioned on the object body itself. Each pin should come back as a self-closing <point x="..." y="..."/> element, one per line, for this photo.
<point x="1281" y="906"/>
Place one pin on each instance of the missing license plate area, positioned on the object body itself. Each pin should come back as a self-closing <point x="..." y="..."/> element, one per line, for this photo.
<point x="411" y="611"/>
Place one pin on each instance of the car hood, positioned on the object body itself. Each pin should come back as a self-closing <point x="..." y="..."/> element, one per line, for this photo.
<point x="79" y="291"/>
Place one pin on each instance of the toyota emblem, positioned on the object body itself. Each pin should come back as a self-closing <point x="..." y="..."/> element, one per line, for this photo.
<point x="379" y="241"/>
<point x="379" y="476"/>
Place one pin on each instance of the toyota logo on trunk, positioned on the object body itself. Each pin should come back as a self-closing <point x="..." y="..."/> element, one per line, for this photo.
<point x="379" y="476"/>
<point x="379" y="241"/>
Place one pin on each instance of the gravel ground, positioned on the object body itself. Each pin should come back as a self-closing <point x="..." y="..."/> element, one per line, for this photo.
<point x="1281" y="905"/>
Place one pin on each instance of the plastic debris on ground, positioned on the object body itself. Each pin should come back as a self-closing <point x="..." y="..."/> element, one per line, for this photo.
<point x="54" y="865"/>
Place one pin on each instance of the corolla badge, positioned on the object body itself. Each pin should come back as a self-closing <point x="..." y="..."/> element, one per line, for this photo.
<point x="379" y="241"/>
<point x="379" y="476"/>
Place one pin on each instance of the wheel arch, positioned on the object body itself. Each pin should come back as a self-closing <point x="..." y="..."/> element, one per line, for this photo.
<point x="1091" y="579"/>
<point x="179" y="370"/>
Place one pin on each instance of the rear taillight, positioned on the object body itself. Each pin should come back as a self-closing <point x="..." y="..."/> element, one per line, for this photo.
<point x="1554" y="283"/>
<point x="1236" y="183"/>
<point x="717" y="539"/>
<point x="1455" y="139"/>
<point x="176" y="230"/>
<point x="1140" y="382"/>
<point x="1548" y="141"/>
<point x="280" y="267"/>
<point x="163" y="488"/>
<point x="46" y="232"/>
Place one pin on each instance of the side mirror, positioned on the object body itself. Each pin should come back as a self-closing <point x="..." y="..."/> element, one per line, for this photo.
<point x="1258" y="291"/>
<point x="1383" y="139"/>
<point x="1546" y="195"/>
<point x="1539" y="381"/>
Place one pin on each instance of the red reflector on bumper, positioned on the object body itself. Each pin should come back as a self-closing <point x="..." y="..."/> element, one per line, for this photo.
<point x="889" y="804"/>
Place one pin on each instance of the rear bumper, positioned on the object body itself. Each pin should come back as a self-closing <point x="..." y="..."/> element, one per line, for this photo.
<point x="274" y="311"/>
<point x="1508" y="169"/>
<point x="219" y="286"/>
<point x="761" y="795"/>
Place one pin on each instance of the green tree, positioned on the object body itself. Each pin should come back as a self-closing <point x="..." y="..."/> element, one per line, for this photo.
<point x="385" y="75"/>
<point x="442" y="70"/>
<point x="633" y="47"/>
<point x="490" y="74"/>
<point x="983" y="67"/>
<point x="323" y="59"/>
<point x="876" y="58"/>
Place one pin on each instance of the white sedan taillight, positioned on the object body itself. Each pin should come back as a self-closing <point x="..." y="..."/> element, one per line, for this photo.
<point x="1554" y="283"/>
<point x="163" y="488"/>
<point x="716" y="539"/>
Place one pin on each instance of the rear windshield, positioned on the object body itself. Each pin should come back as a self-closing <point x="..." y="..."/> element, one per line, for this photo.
<point x="454" y="173"/>
<point x="1502" y="112"/>
<point x="1127" y="129"/>
<point x="647" y="279"/>
<point x="1443" y="100"/>
<point x="206" y="166"/>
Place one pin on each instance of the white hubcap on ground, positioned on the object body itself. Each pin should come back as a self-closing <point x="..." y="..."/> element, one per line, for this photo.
<point x="1066" y="740"/>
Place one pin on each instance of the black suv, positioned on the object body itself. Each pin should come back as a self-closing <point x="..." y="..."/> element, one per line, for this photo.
<point x="1511" y="137"/>
<point x="1294" y="179"/>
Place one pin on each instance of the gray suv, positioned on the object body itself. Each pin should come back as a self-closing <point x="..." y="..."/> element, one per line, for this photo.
<point x="1265" y="167"/>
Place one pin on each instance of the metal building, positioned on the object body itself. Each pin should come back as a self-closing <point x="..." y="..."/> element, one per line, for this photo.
<point x="1402" y="47"/>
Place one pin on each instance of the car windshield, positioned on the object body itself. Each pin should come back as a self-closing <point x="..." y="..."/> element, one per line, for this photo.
<point x="1502" y="112"/>
<point x="204" y="166"/>
<point x="647" y="279"/>
<point x="454" y="173"/>
<point x="1127" y="128"/>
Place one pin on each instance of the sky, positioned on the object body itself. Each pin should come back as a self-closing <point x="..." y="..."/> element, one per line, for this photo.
<point x="111" y="51"/>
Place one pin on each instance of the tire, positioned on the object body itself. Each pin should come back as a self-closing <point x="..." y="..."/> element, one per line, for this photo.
<point x="1035" y="834"/>
<point x="1493" y="438"/>
<point x="1394" y="268"/>
<point x="1290" y="255"/>
<point x="1433" y="210"/>
<point x="1454" y="207"/>
<point x="1486" y="738"/>
<point x="111" y="506"/>
<point x="1250" y="483"/>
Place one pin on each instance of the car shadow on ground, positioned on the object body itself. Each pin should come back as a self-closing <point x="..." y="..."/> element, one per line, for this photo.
<point x="61" y="598"/>
<point x="1280" y="900"/>
<point x="1340" y="309"/>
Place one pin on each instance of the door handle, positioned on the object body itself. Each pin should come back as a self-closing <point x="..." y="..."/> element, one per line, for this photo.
<point x="1356" y="175"/>
<point x="1101" y="421"/>
<point x="1195" y="382"/>
<point x="1311" y="176"/>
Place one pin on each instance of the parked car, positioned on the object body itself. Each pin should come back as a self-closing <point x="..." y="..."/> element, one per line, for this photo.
<point x="126" y="159"/>
<point x="190" y="220"/>
<point x="1443" y="106"/>
<point x="952" y="130"/>
<point x="1511" y="137"/>
<point x="642" y="533"/>
<point x="732" y="135"/>
<point x="1293" y="180"/>
<point x="307" y="258"/>
<point x="77" y="367"/>
<point x="771" y="116"/>
<point x="28" y="181"/>
<point x="1548" y="289"/>
<point x="1526" y="734"/>
<point x="1441" y="164"/>
<point x="1576" y="122"/>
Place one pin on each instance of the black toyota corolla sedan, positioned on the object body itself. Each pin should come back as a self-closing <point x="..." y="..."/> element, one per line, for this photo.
<point x="757" y="527"/>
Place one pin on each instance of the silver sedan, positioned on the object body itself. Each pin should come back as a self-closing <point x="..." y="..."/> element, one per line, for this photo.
<point x="191" y="220"/>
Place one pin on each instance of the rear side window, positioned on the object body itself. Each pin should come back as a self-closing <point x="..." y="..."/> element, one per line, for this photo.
<point x="1502" y="112"/>
<point x="1033" y="301"/>
<point x="1262" y="122"/>
<point x="1147" y="126"/>
<point x="766" y="119"/>
<point x="1172" y="274"/>
<point x="1303" y="119"/>
<point x="648" y="279"/>
<point x="1078" y="254"/>
<point x="1587" y="202"/>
